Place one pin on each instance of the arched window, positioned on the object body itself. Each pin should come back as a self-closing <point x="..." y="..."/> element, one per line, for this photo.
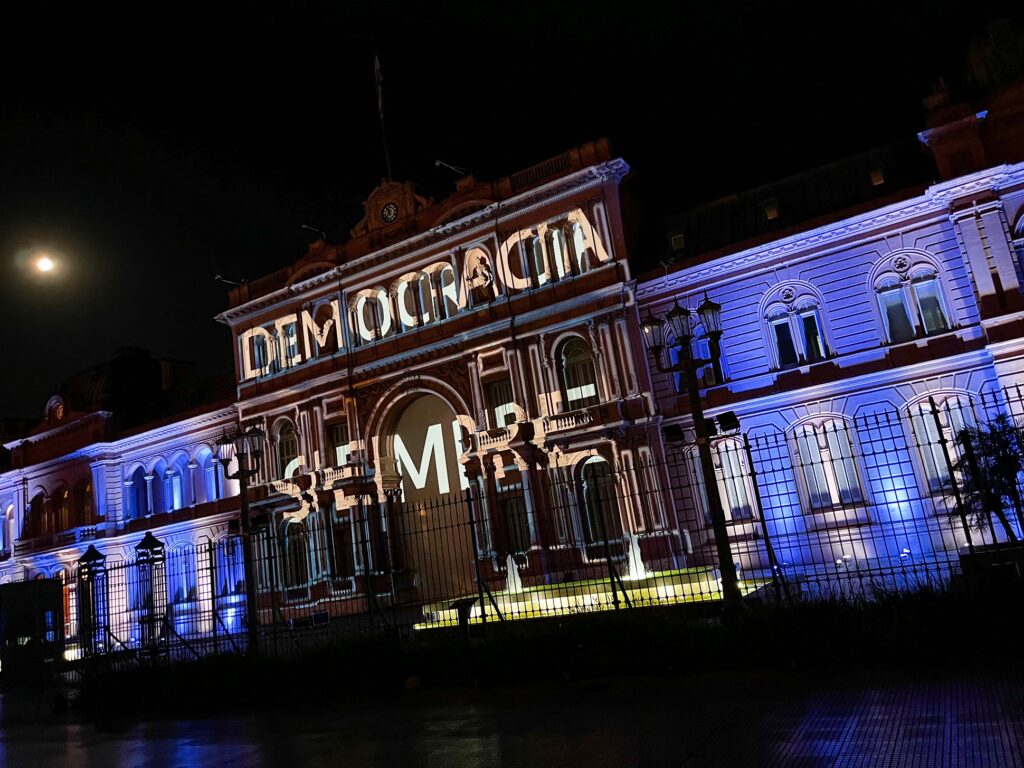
<point x="338" y="436"/>
<point x="296" y="556"/>
<point x="538" y="268"/>
<point x="64" y="517"/>
<point x="892" y="303"/>
<point x="425" y="297"/>
<point x="260" y="354"/>
<point x="935" y="433"/>
<point x="371" y="315"/>
<point x="513" y="526"/>
<point x="794" y="325"/>
<point x="323" y="316"/>
<point x="557" y="252"/>
<point x="579" y="375"/>
<point x="5" y="522"/>
<point x="797" y="334"/>
<point x="599" y="504"/>
<point x="181" y="574"/>
<point x="229" y="568"/>
<point x="449" y="288"/>
<point x="910" y="298"/>
<point x="36" y="523"/>
<point x="810" y="333"/>
<point x="826" y="465"/>
<point x="735" y="484"/>
<point x="206" y="481"/>
<point x="930" y="303"/>
<point x="579" y="249"/>
<point x="782" y="334"/>
<point x="85" y="503"/>
<point x="290" y="344"/>
<point x="342" y="547"/>
<point x="161" y="488"/>
<point x="178" y="484"/>
<point x="137" y="495"/>
<point x="287" y="450"/>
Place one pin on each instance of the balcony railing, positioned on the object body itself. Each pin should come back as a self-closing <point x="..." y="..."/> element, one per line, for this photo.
<point x="566" y="421"/>
<point x="55" y="540"/>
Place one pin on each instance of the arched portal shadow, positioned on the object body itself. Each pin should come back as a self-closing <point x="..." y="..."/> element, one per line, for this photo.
<point x="422" y="439"/>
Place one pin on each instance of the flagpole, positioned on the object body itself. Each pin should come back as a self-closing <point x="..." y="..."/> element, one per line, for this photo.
<point x="379" y="79"/>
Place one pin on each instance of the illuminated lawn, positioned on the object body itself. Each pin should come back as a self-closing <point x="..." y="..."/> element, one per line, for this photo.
<point x="688" y="585"/>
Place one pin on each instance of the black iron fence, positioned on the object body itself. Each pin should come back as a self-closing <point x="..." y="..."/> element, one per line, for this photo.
<point x="821" y="505"/>
<point x="163" y="604"/>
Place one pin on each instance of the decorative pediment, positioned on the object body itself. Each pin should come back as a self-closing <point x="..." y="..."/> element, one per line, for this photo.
<point x="389" y="204"/>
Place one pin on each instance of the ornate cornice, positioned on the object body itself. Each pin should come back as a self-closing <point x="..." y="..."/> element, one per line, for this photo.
<point x="442" y="237"/>
<point x="49" y="434"/>
<point x="936" y="200"/>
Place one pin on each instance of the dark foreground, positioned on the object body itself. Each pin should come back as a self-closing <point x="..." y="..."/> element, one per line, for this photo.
<point x="878" y="719"/>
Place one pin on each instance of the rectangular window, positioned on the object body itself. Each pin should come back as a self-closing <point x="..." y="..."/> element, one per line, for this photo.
<point x="338" y="435"/>
<point x="706" y="373"/>
<point x="932" y="313"/>
<point x="784" y="343"/>
<point x="343" y="564"/>
<point x="177" y="495"/>
<point x="290" y="343"/>
<point x="499" y="402"/>
<point x="814" y="345"/>
<point x="259" y="350"/>
<point x="827" y="466"/>
<point x="581" y="378"/>
<point x="843" y="469"/>
<point x="812" y="465"/>
<point x="936" y="457"/>
<point x="894" y="310"/>
<point x="732" y="479"/>
<point x="514" y="534"/>
<point x="736" y="499"/>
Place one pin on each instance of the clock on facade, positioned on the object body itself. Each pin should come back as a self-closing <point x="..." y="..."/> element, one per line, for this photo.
<point x="389" y="212"/>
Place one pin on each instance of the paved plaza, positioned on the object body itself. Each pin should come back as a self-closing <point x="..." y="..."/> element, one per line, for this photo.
<point x="875" y="719"/>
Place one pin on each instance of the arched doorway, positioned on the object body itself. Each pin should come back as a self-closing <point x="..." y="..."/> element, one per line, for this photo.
<point x="430" y="534"/>
<point x="599" y="505"/>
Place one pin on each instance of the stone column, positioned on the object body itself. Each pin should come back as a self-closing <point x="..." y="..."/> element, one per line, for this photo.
<point x="149" y="495"/>
<point x="968" y="227"/>
<point x="192" y="480"/>
<point x="128" y="497"/>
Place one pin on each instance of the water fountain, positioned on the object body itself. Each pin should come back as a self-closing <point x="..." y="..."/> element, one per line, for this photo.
<point x="635" y="568"/>
<point x="513" y="584"/>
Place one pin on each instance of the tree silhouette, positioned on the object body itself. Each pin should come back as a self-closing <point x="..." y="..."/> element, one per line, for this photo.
<point x="988" y="472"/>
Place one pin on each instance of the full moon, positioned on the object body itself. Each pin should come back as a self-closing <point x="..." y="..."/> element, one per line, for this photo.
<point x="44" y="264"/>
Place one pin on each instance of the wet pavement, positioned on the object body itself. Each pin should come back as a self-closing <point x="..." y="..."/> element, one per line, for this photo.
<point x="879" y="719"/>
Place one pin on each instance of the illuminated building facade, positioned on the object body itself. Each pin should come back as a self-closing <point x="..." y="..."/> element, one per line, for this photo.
<point x="486" y="351"/>
<point x="853" y="299"/>
<point x="125" y="449"/>
<point x="484" y="344"/>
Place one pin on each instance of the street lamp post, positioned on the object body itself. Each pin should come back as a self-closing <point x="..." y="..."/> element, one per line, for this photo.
<point x="246" y="446"/>
<point x="681" y="322"/>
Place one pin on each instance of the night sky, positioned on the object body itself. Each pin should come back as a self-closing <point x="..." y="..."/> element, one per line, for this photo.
<point x="152" y="152"/>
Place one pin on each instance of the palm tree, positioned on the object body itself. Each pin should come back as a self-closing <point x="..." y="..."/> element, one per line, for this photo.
<point x="988" y="472"/>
